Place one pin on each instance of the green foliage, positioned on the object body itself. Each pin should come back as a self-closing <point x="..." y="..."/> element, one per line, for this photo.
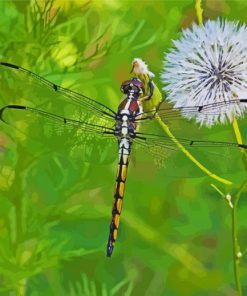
<point x="174" y="236"/>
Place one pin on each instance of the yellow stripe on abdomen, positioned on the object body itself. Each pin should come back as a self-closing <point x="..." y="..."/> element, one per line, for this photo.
<point x="123" y="172"/>
<point x="118" y="200"/>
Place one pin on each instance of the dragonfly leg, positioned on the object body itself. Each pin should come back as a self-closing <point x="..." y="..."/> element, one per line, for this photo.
<point x="151" y="88"/>
<point x="151" y="91"/>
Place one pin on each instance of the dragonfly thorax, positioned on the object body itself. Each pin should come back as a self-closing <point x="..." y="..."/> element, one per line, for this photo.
<point x="125" y="118"/>
<point x="125" y="126"/>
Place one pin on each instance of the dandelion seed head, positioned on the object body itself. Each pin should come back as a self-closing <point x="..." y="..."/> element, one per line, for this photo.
<point x="208" y="65"/>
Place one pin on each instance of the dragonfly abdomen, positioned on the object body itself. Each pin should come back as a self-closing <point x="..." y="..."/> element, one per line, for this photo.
<point x="124" y="153"/>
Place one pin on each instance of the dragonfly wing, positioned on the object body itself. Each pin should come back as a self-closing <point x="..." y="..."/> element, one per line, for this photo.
<point x="204" y="112"/>
<point x="81" y="101"/>
<point x="82" y="139"/>
<point x="173" y="153"/>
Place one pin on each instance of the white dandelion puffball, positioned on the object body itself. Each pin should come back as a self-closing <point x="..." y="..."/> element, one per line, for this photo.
<point x="208" y="66"/>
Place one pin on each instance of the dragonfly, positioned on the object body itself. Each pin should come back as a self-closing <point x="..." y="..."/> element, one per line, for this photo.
<point x="122" y="125"/>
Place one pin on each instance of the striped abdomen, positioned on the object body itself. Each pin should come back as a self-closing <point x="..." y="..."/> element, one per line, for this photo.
<point x="124" y="152"/>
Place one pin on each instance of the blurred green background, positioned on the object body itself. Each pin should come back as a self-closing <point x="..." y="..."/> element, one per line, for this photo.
<point x="175" y="230"/>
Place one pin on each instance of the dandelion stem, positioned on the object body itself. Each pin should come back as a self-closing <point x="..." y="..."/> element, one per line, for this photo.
<point x="236" y="250"/>
<point x="239" y="141"/>
<point x="235" y="245"/>
<point x="189" y="155"/>
<point x="199" y="11"/>
<point x="237" y="131"/>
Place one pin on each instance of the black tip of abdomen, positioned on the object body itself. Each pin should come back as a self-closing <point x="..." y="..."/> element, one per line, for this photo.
<point x="109" y="249"/>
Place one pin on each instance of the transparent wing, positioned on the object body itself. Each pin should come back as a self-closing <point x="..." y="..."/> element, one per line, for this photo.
<point x="97" y="143"/>
<point x="217" y="156"/>
<point x="163" y="141"/>
<point x="54" y="118"/>
<point x="80" y="138"/>
<point x="57" y="119"/>
<point x="82" y="101"/>
<point x="214" y="109"/>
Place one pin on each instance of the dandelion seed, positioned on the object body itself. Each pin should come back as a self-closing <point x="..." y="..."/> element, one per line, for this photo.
<point x="209" y="65"/>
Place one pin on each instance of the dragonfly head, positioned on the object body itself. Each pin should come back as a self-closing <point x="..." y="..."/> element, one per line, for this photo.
<point x="132" y="86"/>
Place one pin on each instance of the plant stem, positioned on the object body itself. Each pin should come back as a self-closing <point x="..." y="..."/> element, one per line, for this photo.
<point x="235" y="245"/>
<point x="237" y="131"/>
<point x="218" y="190"/>
<point x="189" y="155"/>
<point x="236" y="250"/>
<point x="199" y="11"/>
<point x="239" y="139"/>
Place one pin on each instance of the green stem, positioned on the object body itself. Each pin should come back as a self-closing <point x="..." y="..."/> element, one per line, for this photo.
<point x="199" y="11"/>
<point x="236" y="248"/>
<point x="239" y="139"/>
<point x="218" y="190"/>
<point x="189" y="155"/>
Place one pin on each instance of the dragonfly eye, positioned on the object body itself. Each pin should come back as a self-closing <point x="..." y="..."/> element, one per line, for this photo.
<point x="125" y="88"/>
<point x="134" y="84"/>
